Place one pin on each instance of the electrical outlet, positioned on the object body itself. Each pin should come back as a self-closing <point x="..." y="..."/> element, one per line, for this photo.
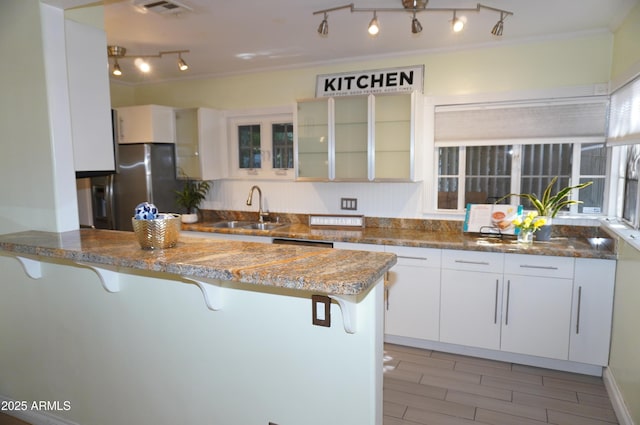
<point x="349" y="204"/>
<point x="321" y="310"/>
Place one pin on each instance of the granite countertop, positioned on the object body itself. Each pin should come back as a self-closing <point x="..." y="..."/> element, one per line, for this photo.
<point x="321" y="270"/>
<point x="578" y="244"/>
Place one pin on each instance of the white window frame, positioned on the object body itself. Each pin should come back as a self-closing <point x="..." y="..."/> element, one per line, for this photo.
<point x="431" y="158"/>
<point x="265" y="117"/>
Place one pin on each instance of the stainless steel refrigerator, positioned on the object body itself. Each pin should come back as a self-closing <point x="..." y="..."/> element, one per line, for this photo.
<point x="145" y="172"/>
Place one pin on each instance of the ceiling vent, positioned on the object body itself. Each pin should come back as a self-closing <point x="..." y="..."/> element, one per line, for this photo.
<point x="163" y="7"/>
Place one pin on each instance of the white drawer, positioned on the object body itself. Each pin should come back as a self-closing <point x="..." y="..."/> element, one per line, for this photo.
<point x="472" y="260"/>
<point x="539" y="265"/>
<point x="415" y="256"/>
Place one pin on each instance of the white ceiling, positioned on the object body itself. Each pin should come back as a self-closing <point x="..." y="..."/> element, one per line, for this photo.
<point x="226" y="37"/>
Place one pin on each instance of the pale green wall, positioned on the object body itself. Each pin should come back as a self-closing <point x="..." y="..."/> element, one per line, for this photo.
<point x="626" y="52"/>
<point x="503" y="68"/>
<point x="624" y="361"/>
<point x="27" y="189"/>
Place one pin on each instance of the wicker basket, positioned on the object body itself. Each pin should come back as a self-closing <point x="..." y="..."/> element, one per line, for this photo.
<point x="159" y="233"/>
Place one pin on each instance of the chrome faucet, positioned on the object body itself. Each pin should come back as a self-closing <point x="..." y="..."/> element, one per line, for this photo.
<point x="261" y="213"/>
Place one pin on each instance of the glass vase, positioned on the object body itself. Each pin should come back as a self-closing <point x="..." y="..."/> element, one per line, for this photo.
<point x="525" y="236"/>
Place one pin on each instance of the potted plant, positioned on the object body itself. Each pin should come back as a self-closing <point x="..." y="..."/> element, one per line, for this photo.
<point x="549" y="204"/>
<point x="192" y="194"/>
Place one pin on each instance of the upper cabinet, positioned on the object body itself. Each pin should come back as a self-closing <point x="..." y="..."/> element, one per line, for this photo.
<point x="146" y="124"/>
<point x="89" y="99"/>
<point x="198" y="140"/>
<point x="359" y="138"/>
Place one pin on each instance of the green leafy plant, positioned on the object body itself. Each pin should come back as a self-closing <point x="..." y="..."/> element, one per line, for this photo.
<point x="192" y="194"/>
<point x="550" y="204"/>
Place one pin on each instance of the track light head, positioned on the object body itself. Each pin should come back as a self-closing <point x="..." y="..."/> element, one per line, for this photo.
<point x="416" y="26"/>
<point x="498" y="27"/>
<point x="182" y="65"/>
<point x="323" y="29"/>
<point x="456" y="23"/>
<point x="142" y="65"/>
<point x="374" y="27"/>
<point x="116" y="69"/>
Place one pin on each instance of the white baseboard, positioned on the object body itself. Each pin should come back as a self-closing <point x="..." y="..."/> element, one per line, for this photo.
<point x="33" y="416"/>
<point x="543" y="362"/>
<point x="619" y="406"/>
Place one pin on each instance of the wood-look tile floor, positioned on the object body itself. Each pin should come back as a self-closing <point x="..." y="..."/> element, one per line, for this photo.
<point x="434" y="388"/>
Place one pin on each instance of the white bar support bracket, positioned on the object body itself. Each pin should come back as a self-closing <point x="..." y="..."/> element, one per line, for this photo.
<point x="211" y="291"/>
<point x="349" y="308"/>
<point x="33" y="268"/>
<point x="109" y="277"/>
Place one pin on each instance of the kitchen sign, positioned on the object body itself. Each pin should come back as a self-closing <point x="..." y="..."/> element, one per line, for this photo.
<point x="391" y="80"/>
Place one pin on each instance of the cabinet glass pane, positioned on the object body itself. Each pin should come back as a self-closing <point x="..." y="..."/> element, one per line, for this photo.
<point x="282" y="138"/>
<point x="187" y="155"/>
<point x="393" y="137"/>
<point x="313" y="139"/>
<point x="249" y="146"/>
<point x="351" y="133"/>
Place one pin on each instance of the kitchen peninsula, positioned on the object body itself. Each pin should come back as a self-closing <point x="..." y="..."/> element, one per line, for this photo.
<point x="248" y="354"/>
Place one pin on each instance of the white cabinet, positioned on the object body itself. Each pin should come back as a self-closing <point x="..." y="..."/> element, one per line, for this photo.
<point x="359" y="138"/>
<point x="146" y="124"/>
<point x="537" y="305"/>
<point x="89" y="99"/>
<point x="412" y="301"/>
<point x="471" y="298"/>
<point x="592" y="311"/>
<point x="199" y="143"/>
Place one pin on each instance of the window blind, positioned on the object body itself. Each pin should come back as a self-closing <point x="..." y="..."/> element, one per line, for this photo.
<point x="536" y="122"/>
<point x="624" y="115"/>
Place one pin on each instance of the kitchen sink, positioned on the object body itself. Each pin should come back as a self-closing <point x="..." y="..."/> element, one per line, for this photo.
<point x="263" y="226"/>
<point x="232" y="224"/>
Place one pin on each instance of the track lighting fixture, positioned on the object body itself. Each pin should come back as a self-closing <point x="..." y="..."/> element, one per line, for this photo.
<point x="374" y="27"/>
<point x="414" y="7"/>
<point x="456" y="23"/>
<point x="416" y="27"/>
<point x="141" y="61"/>
<point x="116" y="68"/>
<point x="497" y="28"/>
<point x="182" y="65"/>
<point x="323" y="29"/>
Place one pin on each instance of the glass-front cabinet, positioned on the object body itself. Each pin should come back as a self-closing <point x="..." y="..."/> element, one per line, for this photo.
<point x="358" y="138"/>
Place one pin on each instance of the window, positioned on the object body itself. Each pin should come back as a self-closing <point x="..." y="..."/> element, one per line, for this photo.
<point x="486" y="151"/>
<point x="282" y="137"/>
<point x="249" y="150"/>
<point x="490" y="172"/>
<point x="261" y="143"/>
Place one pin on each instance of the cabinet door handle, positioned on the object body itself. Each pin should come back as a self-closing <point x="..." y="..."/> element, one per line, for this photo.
<point x="495" y="308"/>
<point x="386" y="291"/>
<point x="528" y="266"/>
<point x="481" y="263"/>
<point x="579" y="308"/>
<point x="506" y="315"/>
<point x="412" y="258"/>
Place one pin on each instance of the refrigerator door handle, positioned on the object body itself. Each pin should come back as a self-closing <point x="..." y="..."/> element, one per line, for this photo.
<point x="109" y="202"/>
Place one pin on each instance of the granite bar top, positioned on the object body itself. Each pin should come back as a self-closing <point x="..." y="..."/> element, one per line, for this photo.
<point x="574" y="242"/>
<point x="320" y="270"/>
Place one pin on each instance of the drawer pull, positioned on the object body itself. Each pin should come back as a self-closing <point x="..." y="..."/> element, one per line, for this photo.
<point x="480" y="263"/>
<point x="527" y="266"/>
<point x="412" y="258"/>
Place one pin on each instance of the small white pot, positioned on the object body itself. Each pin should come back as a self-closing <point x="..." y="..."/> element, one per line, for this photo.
<point x="189" y="218"/>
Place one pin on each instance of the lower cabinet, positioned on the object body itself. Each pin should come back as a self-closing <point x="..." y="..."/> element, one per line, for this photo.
<point x="592" y="311"/>
<point x="471" y="298"/>
<point x="537" y="305"/>
<point x="412" y="293"/>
